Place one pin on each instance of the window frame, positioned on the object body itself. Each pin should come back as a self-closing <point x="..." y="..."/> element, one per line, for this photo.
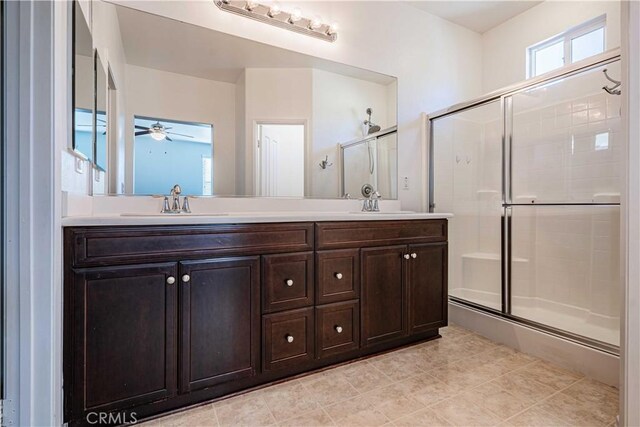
<point x="566" y="37"/>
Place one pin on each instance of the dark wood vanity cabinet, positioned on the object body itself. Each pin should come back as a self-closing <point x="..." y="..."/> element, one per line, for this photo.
<point x="219" y="321"/>
<point x="123" y="324"/>
<point x="161" y="317"/>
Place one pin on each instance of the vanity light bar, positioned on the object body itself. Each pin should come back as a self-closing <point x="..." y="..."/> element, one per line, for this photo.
<point x="271" y="14"/>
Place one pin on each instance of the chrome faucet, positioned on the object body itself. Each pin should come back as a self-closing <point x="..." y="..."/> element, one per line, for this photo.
<point x="370" y="204"/>
<point x="174" y="207"/>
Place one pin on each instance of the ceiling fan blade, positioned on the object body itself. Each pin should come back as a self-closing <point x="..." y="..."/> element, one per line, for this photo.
<point x="143" y="132"/>
<point x="167" y="138"/>
<point x="180" y="134"/>
<point x="141" y="127"/>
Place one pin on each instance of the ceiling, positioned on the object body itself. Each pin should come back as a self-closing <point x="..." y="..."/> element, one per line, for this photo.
<point x="169" y="45"/>
<point x="479" y="16"/>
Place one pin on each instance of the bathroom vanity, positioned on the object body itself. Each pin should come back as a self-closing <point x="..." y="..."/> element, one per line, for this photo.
<point x="159" y="317"/>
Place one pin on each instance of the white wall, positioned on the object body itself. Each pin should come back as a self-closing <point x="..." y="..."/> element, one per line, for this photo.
<point x="437" y="62"/>
<point x="154" y="93"/>
<point x="241" y="132"/>
<point x="504" y="47"/>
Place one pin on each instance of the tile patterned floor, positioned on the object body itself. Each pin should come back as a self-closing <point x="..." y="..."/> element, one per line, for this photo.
<point x="462" y="379"/>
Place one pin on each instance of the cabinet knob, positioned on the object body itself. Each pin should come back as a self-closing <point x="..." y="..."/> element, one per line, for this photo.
<point x="171" y="280"/>
<point x="406" y="256"/>
<point x="414" y="255"/>
<point x="339" y="329"/>
<point x="338" y="276"/>
<point x="289" y="338"/>
<point x="186" y="278"/>
<point x="289" y="283"/>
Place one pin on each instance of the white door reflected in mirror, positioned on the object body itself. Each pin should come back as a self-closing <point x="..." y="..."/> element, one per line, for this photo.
<point x="280" y="165"/>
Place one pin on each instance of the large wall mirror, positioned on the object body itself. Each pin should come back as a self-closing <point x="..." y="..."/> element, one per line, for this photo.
<point x="225" y="116"/>
<point x="83" y="83"/>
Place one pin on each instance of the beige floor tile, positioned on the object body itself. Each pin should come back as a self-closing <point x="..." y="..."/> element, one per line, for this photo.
<point x="394" y="401"/>
<point x="599" y="396"/>
<point x="315" y="418"/>
<point x="462" y="379"/>
<point x="330" y="388"/>
<point x="550" y="375"/>
<point x="534" y="417"/>
<point x="499" y="401"/>
<point x="356" y="412"/>
<point x="247" y="410"/>
<point x="397" y="366"/>
<point x="570" y="411"/>
<point x="424" y="417"/>
<point x="365" y="377"/>
<point x="288" y="399"/>
<point x="524" y="387"/>
<point x="204" y="416"/>
<point x="459" y="411"/>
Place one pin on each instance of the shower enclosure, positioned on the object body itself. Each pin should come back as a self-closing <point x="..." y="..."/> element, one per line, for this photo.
<point x="532" y="175"/>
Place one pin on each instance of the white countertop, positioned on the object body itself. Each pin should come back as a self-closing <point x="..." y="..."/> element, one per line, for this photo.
<point x="243" y="218"/>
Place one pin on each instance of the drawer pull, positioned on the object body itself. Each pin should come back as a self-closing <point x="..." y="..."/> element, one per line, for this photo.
<point x="339" y="329"/>
<point x="289" y="338"/>
<point x="414" y="255"/>
<point x="186" y="278"/>
<point x="339" y="276"/>
<point x="289" y="282"/>
<point x="171" y="280"/>
<point x="406" y="256"/>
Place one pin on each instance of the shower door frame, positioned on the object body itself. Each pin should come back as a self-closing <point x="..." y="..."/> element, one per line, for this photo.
<point x="505" y="97"/>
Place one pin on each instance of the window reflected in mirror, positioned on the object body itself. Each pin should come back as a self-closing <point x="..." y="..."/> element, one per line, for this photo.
<point x="169" y="152"/>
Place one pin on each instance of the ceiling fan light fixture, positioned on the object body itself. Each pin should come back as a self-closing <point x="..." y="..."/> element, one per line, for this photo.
<point x="157" y="135"/>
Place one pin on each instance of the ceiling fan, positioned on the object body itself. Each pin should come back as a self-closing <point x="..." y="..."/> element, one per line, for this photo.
<point x="158" y="132"/>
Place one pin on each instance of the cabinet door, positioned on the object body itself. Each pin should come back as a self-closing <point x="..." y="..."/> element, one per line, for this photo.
<point x="427" y="287"/>
<point x="220" y="321"/>
<point x="383" y="295"/>
<point x="124" y="332"/>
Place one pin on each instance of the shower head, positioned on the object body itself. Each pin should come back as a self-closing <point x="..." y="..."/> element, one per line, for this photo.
<point x="373" y="128"/>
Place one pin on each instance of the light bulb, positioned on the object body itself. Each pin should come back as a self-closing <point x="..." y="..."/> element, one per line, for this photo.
<point x="251" y="5"/>
<point x="295" y="16"/>
<point x="274" y="10"/>
<point x="315" y="23"/>
<point x="158" y="136"/>
<point x="333" y="28"/>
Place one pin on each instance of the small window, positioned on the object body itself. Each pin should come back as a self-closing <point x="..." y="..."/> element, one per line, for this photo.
<point x="578" y="43"/>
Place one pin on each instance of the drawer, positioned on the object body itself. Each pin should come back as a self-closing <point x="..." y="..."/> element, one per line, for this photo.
<point x="98" y="246"/>
<point x="337" y="328"/>
<point x="287" y="281"/>
<point x="361" y="234"/>
<point x="338" y="275"/>
<point x="287" y="338"/>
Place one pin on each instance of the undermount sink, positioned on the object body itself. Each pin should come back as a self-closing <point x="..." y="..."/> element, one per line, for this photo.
<point x="169" y="215"/>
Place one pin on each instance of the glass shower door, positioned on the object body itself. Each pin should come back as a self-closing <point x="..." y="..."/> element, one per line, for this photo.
<point x="565" y="195"/>
<point x="467" y="152"/>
